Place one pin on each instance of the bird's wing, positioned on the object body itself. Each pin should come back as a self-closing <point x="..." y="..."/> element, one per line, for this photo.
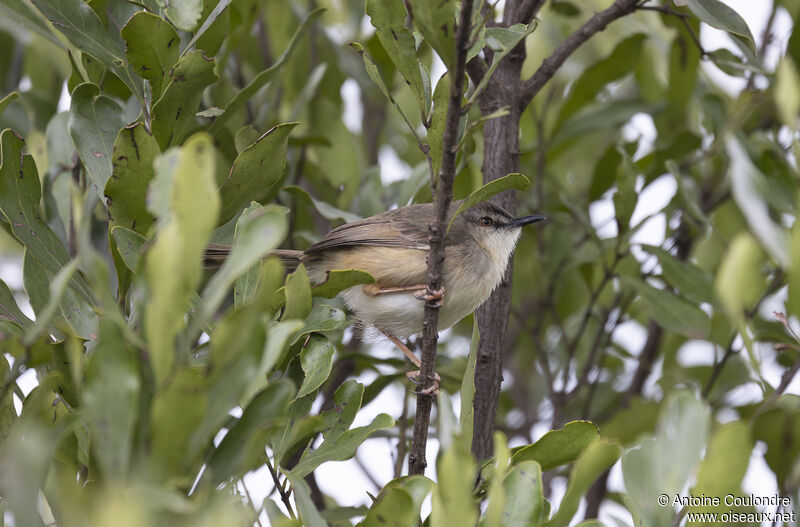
<point x="405" y="228"/>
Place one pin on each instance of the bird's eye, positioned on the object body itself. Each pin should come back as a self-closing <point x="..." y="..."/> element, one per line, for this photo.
<point x="486" y="221"/>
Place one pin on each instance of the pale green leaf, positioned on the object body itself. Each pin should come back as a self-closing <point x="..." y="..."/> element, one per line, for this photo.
<point x="152" y="48"/>
<point x="94" y="122"/>
<point x="257" y="171"/>
<point x="316" y="359"/>
<point x="111" y="398"/>
<point x="558" y="447"/>
<point x="388" y="17"/>
<point x="595" y="460"/>
<point x="173" y="113"/>
<point x="135" y="149"/>
<point x="721" y="16"/>
<point x="173" y="265"/>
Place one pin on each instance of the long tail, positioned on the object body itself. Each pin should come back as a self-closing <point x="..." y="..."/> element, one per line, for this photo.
<point x="216" y="253"/>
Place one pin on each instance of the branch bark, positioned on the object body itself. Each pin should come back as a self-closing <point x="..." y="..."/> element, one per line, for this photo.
<point x="443" y="196"/>
<point x="500" y="157"/>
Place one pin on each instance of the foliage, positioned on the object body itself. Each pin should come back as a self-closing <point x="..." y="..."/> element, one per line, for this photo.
<point x="165" y="392"/>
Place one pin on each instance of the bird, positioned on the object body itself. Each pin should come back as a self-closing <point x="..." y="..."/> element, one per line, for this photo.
<point x="393" y="247"/>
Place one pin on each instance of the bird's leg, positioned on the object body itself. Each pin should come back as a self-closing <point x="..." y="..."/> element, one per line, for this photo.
<point x="420" y="292"/>
<point x="413" y="376"/>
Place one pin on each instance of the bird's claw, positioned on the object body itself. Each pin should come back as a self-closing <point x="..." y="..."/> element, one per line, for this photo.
<point x="433" y="389"/>
<point x="437" y="297"/>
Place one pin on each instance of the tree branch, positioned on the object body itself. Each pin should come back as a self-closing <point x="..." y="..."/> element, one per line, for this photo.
<point x="551" y="64"/>
<point x="443" y="194"/>
<point x="526" y="10"/>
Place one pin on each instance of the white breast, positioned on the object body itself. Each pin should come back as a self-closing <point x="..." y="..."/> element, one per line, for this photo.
<point x="401" y="314"/>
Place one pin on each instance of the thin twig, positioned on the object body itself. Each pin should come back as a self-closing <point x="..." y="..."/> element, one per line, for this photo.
<point x="281" y="490"/>
<point x="443" y="192"/>
<point x="551" y="64"/>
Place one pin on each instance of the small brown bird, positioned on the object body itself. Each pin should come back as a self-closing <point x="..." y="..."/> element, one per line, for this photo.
<point x="393" y="248"/>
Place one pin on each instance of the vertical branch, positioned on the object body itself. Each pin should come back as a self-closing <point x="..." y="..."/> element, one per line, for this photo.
<point x="443" y="195"/>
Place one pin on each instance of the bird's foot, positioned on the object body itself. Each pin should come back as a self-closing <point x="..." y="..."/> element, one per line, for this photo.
<point x="433" y="389"/>
<point x="437" y="297"/>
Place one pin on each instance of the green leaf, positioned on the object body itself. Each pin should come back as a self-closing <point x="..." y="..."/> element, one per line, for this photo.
<point x="721" y="16"/>
<point x="388" y="18"/>
<point x="309" y="515"/>
<point x="274" y="349"/>
<point x="438" y="117"/>
<point x="375" y="75"/>
<point x="9" y="309"/>
<point x="94" y="121"/>
<point x="24" y="14"/>
<point x="340" y="279"/>
<point x="495" y="472"/>
<point x="693" y="283"/>
<point x="19" y="202"/>
<point x="418" y="487"/>
<point x="341" y="447"/>
<point x="259" y="230"/>
<point x="739" y="280"/>
<point x="724" y="465"/>
<point x="661" y="465"/>
<point x="399" y="502"/>
<point x="392" y="508"/>
<point x="173" y="113"/>
<point x="299" y="427"/>
<point x="437" y="23"/>
<point x="630" y="423"/>
<point x="298" y="295"/>
<point x="135" y="149"/>
<point x="515" y="181"/>
<point x="327" y="211"/>
<point x="214" y="29"/>
<point x="257" y="172"/>
<point x="321" y="319"/>
<point x="185" y="14"/>
<point x="173" y="265"/>
<point x="598" y="76"/>
<point x="82" y="27"/>
<point x="467" y="414"/>
<point x="61" y="301"/>
<point x="152" y="48"/>
<point x="779" y="429"/>
<point x="111" y="399"/>
<point x="793" y="296"/>
<point x="266" y="76"/>
<point x="672" y="312"/>
<point x="453" y="502"/>
<point x="558" y="447"/>
<point x="524" y="503"/>
<point x="242" y="448"/>
<point x="316" y="359"/>
<point x="129" y="244"/>
<point x="8" y="99"/>
<point x="748" y="186"/>
<point x="177" y="410"/>
<point x="595" y="460"/>
<point x="787" y="93"/>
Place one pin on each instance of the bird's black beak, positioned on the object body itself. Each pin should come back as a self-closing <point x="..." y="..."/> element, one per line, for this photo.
<point x="521" y="222"/>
